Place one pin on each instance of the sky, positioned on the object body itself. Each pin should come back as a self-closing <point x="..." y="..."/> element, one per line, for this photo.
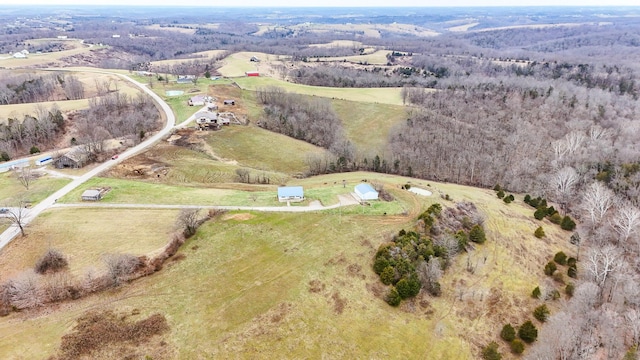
<point x="329" y="3"/>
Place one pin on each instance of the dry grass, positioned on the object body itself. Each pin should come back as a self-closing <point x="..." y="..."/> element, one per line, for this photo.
<point x="201" y="56"/>
<point x="85" y="235"/>
<point x="367" y="95"/>
<point x="46" y="59"/>
<point x="301" y="286"/>
<point x="376" y="58"/>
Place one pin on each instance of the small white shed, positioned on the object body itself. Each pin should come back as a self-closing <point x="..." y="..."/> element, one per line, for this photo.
<point x="366" y="192"/>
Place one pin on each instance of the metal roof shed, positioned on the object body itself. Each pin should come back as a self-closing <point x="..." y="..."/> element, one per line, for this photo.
<point x="290" y="193"/>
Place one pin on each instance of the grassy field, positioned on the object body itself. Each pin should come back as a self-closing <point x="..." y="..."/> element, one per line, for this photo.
<point x="368" y="124"/>
<point x="377" y="58"/>
<point x="11" y="191"/>
<point x="199" y="56"/>
<point x="86" y="235"/>
<point x="301" y="286"/>
<point x="45" y="59"/>
<point x="238" y="63"/>
<point x="368" y="95"/>
<point x="254" y="147"/>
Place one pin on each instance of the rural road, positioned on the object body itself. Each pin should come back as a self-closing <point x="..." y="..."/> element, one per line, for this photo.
<point x="13" y="230"/>
<point x="345" y="200"/>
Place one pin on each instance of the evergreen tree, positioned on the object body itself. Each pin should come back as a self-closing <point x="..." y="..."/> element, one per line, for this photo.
<point x="528" y="332"/>
<point x="477" y="234"/>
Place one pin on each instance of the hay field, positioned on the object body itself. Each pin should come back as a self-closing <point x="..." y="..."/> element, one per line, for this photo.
<point x="376" y="58"/>
<point x="368" y="95"/>
<point x="237" y="64"/>
<point x="368" y="124"/>
<point x="45" y="59"/>
<point x="86" y="235"/>
<point x="201" y="56"/>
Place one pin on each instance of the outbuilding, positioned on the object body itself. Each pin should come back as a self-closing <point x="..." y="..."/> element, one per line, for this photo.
<point x="75" y="158"/>
<point x="252" y="73"/>
<point x="366" y="192"/>
<point x="91" y="195"/>
<point x="290" y="194"/>
<point x="229" y="102"/>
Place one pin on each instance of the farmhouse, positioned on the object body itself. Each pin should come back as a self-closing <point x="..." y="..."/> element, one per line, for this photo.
<point x="290" y="194"/>
<point x="366" y="192"/>
<point x="206" y="120"/>
<point x="75" y="158"/>
<point x="252" y="73"/>
<point x="91" y="195"/>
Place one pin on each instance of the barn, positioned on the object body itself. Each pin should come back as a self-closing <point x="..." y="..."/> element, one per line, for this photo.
<point x="252" y="73"/>
<point x="366" y="192"/>
<point x="75" y="158"/>
<point x="290" y="194"/>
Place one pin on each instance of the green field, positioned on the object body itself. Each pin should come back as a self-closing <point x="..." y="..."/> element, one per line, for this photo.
<point x="11" y="191"/>
<point x="260" y="285"/>
<point x="261" y="149"/>
<point x="367" y="124"/>
<point x="367" y="95"/>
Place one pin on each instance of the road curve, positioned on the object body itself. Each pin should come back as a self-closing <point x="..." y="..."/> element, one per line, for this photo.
<point x="13" y="230"/>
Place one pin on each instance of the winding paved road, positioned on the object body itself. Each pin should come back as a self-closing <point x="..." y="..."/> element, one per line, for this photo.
<point x="13" y="230"/>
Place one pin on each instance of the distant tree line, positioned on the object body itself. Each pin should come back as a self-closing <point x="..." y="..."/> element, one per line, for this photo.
<point x="28" y="88"/>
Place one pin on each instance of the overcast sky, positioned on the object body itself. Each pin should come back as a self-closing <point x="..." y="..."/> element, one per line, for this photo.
<point x="331" y="3"/>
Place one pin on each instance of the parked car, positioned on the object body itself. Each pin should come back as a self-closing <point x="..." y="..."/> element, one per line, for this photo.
<point x="4" y="210"/>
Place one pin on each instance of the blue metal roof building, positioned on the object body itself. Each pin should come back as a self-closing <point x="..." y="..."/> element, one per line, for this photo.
<point x="290" y="193"/>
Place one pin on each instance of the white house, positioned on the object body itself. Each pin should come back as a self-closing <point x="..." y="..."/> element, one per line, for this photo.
<point x="19" y="55"/>
<point x="290" y="194"/>
<point x="366" y="192"/>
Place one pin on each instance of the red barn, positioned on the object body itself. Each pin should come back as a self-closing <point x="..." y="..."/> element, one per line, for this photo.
<point x="252" y="73"/>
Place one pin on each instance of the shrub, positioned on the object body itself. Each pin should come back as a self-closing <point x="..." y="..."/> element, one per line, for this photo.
<point x="388" y="275"/>
<point x="567" y="223"/>
<point x="559" y="277"/>
<point x="380" y="264"/>
<point x="517" y="347"/>
<point x="540" y="213"/>
<point x="527" y="199"/>
<point x="52" y="261"/>
<point x="539" y="233"/>
<point x="550" y="268"/>
<point x="536" y="293"/>
<point x="34" y="150"/>
<point x="560" y="258"/>
<point x="541" y="313"/>
<point x="555" y="295"/>
<point x="508" y="199"/>
<point x="508" y="333"/>
<point x="463" y="240"/>
<point x="408" y="287"/>
<point x="500" y="194"/>
<point x="528" y="332"/>
<point x="4" y="156"/>
<point x="497" y="188"/>
<point x="569" y="289"/>
<point x="572" y="272"/>
<point x="393" y="298"/>
<point x="477" y="234"/>
<point x="490" y="352"/>
<point x="572" y="261"/>
<point x="556" y="218"/>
